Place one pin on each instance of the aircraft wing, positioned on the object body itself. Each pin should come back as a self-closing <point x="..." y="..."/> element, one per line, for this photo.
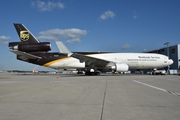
<point x="25" y="56"/>
<point x="90" y="60"/>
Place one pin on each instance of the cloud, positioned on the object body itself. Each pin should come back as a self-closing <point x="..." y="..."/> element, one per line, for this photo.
<point x="135" y="16"/>
<point x="107" y="15"/>
<point x="73" y="34"/>
<point x="126" y="46"/>
<point x="74" y="40"/>
<point x="4" y="40"/>
<point x="47" y="6"/>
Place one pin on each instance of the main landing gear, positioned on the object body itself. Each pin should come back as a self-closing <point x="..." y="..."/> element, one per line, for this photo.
<point x="92" y="73"/>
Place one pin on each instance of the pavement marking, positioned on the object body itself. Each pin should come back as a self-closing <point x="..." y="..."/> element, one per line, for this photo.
<point x="6" y="82"/>
<point x="103" y="101"/>
<point x="174" y="80"/>
<point x="164" y="90"/>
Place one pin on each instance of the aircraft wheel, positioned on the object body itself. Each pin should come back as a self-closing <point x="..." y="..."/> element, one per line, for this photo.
<point x="97" y="73"/>
<point x="92" y="73"/>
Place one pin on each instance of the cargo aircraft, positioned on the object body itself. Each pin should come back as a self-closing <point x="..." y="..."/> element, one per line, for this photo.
<point x="31" y="50"/>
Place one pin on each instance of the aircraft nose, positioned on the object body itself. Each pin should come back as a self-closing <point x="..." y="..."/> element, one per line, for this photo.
<point x="170" y="61"/>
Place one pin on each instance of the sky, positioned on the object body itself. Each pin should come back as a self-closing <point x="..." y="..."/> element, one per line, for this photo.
<point x="90" y="25"/>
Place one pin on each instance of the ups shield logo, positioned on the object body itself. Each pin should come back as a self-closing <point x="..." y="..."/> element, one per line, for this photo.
<point x="24" y="35"/>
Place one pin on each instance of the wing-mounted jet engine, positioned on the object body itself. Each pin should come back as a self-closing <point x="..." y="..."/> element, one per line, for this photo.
<point x="118" y="67"/>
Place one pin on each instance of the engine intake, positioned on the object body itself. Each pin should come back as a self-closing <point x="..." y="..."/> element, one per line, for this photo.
<point x="118" y="67"/>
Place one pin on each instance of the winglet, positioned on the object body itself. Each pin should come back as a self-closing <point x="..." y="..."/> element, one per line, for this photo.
<point x="62" y="48"/>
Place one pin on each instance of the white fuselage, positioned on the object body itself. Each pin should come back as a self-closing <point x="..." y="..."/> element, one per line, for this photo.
<point x="133" y="60"/>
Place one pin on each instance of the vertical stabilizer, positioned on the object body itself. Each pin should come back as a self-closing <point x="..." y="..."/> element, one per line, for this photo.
<point x="24" y="34"/>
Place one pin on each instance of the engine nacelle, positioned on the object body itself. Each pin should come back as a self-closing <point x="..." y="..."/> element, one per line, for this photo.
<point x="32" y="47"/>
<point x="121" y="67"/>
<point x="118" y="67"/>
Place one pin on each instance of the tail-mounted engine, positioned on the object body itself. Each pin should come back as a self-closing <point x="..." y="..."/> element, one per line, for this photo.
<point x="30" y="47"/>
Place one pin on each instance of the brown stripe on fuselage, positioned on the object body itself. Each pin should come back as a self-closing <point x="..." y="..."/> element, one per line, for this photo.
<point x="55" y="61"/>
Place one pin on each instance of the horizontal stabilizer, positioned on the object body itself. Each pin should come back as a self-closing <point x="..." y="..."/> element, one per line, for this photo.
<point x="25" y="56"/>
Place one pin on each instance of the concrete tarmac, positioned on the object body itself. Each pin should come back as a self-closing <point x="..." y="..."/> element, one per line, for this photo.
<point x="79" y="97"/>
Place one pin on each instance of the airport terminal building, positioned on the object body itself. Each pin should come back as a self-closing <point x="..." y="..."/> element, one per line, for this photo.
<point x="173" y="52"/>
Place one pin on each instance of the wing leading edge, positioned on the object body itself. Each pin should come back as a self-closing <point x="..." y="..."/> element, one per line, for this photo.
<point x="92" y="61"/>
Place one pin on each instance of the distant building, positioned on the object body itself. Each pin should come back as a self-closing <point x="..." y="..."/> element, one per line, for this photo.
<point x="173" y="52"/>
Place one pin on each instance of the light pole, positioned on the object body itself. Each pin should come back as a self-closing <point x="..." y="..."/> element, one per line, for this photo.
<point x="167" y="43"/>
